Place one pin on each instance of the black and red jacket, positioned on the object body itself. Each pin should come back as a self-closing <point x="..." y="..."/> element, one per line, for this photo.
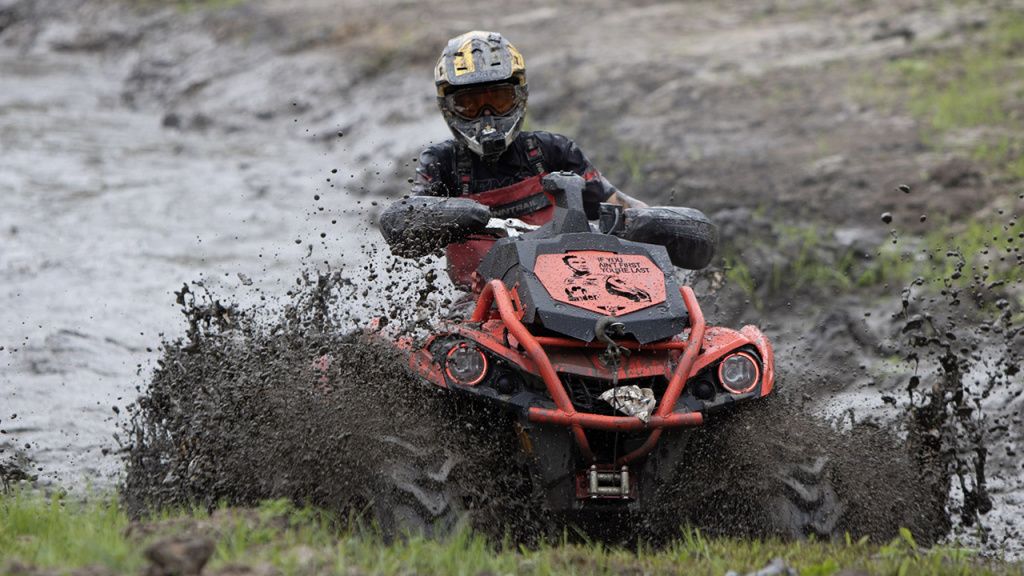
<point x="510" y="185"/>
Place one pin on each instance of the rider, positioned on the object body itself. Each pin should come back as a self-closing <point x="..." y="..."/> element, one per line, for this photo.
<point x="481" y="89"/>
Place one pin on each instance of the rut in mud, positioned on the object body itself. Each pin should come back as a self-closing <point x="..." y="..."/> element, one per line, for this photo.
<point x="255" y="404"/>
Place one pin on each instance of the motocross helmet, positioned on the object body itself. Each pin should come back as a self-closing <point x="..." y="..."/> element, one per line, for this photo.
<point x="481" y="89"/>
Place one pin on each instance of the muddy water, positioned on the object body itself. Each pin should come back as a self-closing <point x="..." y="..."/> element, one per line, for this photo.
<point x="104" y="212"/>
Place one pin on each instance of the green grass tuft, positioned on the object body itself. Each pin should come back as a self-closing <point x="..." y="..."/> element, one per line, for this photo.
<point x="809" y="263"/>
<point x="55" y="532"/>
<point x="635" y="159"/>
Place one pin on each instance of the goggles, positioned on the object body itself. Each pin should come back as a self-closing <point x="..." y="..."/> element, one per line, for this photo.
<point x="470" y="103"/>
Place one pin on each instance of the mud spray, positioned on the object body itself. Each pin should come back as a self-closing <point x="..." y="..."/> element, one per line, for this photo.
<point x="253" y="405"/>
<point x="965" y="341"/>
<point x="290" y="401"/>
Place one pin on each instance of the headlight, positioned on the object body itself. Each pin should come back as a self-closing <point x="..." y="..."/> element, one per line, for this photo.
<point x="739" y="373"/>
<point x="466" y="364"/>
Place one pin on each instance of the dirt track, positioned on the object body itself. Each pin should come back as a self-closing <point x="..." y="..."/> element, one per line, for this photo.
<point x="144" y="147"/>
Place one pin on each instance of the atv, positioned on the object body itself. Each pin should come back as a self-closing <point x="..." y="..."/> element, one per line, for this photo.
<point x="581" y="332"/>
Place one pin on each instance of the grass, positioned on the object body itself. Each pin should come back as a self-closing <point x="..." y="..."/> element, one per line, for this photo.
<point x="813" y="264"/>
<point x="68" y="534"/>
<point x="635" y="158"/>
<point x="738" y="274"/>
<point x="59" y="534"/>
<point x="976" y="90"/>
<point x="969" y="100"/>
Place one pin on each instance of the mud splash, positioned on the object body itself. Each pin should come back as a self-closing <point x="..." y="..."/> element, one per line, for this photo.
<point x="744" y="467"/>
<point x="256" y="404"/>
<point x="15" y="468"/>
<point x="964" y="344"/>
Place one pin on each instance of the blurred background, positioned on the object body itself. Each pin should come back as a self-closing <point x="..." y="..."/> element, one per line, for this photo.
<point x="864" y="161"/>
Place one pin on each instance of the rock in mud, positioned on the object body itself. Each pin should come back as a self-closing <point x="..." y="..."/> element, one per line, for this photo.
<point x="777" y="567"/>
<point x="179" y="556"/>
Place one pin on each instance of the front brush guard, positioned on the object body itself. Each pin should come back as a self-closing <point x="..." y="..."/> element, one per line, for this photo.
<point x="565" y="414"/>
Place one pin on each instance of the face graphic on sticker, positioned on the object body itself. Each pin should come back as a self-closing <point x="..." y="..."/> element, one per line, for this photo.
<point x="619" y="287"/>
<point x="577" y="264"/>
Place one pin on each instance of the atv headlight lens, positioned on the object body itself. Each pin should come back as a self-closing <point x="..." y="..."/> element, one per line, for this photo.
<point x="739" y="373"/>
<point x="466" y="364"/>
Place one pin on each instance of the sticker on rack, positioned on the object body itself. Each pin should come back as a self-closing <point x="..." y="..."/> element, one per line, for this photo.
<point x="603" y="282"/>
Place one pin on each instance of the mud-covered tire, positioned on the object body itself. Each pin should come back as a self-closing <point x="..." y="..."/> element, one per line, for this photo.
<point x="761" y="471"/>
<point x="807" y="504"/>
<point x="408" y="491"/>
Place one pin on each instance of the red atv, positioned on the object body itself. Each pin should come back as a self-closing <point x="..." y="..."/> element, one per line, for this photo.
<point x="582" y="332"/>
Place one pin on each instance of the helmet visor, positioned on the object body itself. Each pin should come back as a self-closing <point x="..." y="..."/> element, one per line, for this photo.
<point x="470" y="103"/>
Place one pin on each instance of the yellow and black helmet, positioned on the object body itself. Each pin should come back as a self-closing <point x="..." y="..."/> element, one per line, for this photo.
<point x="481" y="89"/>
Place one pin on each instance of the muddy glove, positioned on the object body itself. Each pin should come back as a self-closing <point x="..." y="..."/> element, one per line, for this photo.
<point x="419" y="225"/>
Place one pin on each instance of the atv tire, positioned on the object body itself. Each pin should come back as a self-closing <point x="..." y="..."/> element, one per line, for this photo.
<point x="807" y="504"/>
<point x="407" y="490"/>
<point x="758" y="472"/>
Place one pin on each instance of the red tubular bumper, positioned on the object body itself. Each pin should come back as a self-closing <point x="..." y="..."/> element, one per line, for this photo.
<point x="613" y="423"/>
<point x="565" y="414"/>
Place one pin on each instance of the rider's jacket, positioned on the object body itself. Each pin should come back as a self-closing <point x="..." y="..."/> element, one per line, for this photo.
<point x="510" y="186"/>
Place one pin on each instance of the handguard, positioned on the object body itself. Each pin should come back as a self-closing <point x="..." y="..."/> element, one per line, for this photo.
<point x="688" y="235"/>
<point x="419" y="225"/>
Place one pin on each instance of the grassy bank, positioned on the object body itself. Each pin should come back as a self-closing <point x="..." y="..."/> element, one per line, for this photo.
<point x="966" y="98"/>
<point x="809" y="261"/>
<point x="969" y="98"/>
<point x="39" y="534"/>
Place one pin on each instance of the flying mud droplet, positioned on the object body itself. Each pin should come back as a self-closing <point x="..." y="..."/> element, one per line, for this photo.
<point x="887" y="217"/>
<point x="904" y="188"/>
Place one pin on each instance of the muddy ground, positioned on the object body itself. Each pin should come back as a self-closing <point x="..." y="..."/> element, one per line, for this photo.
<point x="144" y="145"/>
